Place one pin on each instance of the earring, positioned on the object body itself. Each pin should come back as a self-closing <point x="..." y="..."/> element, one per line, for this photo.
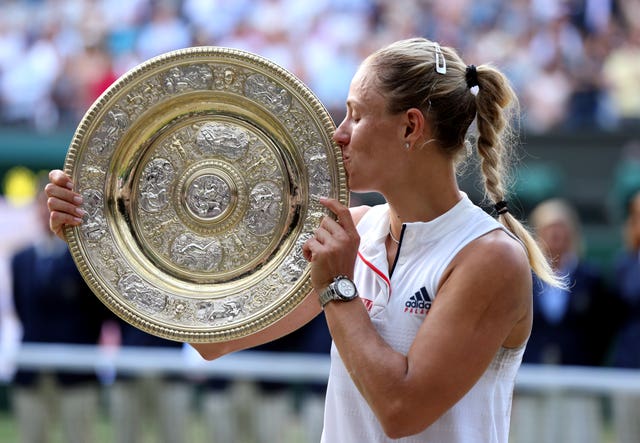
<point x="406" y="145"/>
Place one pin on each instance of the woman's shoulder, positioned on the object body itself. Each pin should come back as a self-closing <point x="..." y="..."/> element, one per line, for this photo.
<point x="496" y="251"/>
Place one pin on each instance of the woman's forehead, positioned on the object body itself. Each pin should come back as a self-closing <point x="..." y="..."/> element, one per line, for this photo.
<point x="363" y="87"/>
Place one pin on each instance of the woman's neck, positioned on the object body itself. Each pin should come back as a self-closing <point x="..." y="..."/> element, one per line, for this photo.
<point x="416" y="199"/>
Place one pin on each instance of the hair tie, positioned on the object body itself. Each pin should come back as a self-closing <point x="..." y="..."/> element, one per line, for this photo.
<point x="501" y="207"/>
<point x="471" y="76"/>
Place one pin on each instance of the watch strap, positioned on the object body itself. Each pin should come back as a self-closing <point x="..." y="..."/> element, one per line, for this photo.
<point x="327" y="295"/>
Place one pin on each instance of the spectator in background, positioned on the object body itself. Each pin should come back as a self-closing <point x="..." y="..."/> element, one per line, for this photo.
<point x="570" y="327"/>
<point x="153" y="403"/>
<point x="26" y="84"/>
<point x="54" y="305"/>
<point x="12" y="214"/>
<point x="627" y="351"/>
<point x="86" y="75"/>
<point x="547" y="97"/>
<point x="622" y="77"/>
<point x="588" y="101"/>
<point x="563" y="325"/>
<point x="164" y="31"/>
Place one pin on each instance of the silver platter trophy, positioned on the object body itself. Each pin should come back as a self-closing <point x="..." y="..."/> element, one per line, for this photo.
<point x="200" y="171"/>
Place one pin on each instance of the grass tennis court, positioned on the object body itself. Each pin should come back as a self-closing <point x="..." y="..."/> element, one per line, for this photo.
<point x="9" y="430"/>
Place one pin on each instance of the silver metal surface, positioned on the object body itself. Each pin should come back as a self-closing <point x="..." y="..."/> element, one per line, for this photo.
<point x="200" y="171"/>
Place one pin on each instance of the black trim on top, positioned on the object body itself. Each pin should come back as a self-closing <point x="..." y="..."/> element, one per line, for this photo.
<point x="395" y="260"/>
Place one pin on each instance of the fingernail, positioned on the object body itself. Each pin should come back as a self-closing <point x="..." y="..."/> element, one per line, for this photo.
<point x="77" y="220"/>
<point x="69" y="185"/>
<point x="77" y="199"/>
<point x="80" y="212"/>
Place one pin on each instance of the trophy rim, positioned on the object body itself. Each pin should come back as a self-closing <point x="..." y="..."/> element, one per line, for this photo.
<point x="79" y="246"/>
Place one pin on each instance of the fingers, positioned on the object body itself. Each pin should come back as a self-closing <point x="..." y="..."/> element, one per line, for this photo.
<point x="341" y="211"/>
<point x="58" y="177"/>
<point x="319" y="241"/>
<point x="63" y="203"/>
<point x="333" y="247"/>
<point x="328" y="229"/>
<point x="333" y="236"/>
<point x="61" y="214"/>
<point x="308" y="247"/>
<point x="61" y="195"/>
<point x="61" y="187"/>
<point x="64" y="207"/>
<point x="58" y="220"/>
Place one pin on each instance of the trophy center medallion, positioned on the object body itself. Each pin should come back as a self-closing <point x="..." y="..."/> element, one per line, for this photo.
<point x="208" y="197"/>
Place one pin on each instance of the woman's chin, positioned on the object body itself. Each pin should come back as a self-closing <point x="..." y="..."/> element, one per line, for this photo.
<point x="355" y="185"/>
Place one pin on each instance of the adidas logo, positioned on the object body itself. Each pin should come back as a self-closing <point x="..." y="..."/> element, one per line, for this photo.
<point x="418" y="303"/>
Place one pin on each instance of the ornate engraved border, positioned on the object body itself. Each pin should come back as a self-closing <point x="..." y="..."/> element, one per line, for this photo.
<point x="250" y="137"/>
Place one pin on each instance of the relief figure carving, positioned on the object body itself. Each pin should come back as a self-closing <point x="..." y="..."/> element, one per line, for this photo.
<point x="208" y="311"/>
<point x="154" y="182"/>
<point x="222" y="139"/>
<point x="108" y="135"/>
<point x="94" y="225"/>
<point x="265" y="203"/>
<point x="189" y="78"/>
<point x="262" y="162"/>
<point x="272" y="95"/>
<point x="134" y="289"/>
<point x="208" y="196"/>
<point x="292" y="268"/>
<point x="190" y="253"/>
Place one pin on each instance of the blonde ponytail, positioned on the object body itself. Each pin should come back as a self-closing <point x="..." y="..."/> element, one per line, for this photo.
<point x="494" y="101"/>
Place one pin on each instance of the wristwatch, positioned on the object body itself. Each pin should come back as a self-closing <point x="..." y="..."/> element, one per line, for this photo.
<point x="342" y="289"/>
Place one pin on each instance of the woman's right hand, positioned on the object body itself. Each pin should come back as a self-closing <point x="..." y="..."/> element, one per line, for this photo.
<point x="63" y="202"/>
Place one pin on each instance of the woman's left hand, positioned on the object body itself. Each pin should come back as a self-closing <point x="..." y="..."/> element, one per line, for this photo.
<point x="333" y="249"/>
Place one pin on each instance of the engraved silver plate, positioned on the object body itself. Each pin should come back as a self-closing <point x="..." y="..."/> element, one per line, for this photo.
<point x="201" y="171"/>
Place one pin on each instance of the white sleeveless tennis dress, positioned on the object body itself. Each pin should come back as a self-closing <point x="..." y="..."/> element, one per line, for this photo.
<point x="397" y="306"/>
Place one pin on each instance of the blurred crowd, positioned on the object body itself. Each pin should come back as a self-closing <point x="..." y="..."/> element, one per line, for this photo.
<point x="574" y="63"/>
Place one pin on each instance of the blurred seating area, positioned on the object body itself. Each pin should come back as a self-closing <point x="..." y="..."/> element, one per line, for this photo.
<point x="574" y="63"/>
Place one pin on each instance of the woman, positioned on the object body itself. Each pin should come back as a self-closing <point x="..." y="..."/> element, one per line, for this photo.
<point x="432" y="351"/>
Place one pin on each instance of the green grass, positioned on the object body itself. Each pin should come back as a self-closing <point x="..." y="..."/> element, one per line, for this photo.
<point x="8" y="431"/>
<point x="104" y="432"/>
<point x="196" y="432"/>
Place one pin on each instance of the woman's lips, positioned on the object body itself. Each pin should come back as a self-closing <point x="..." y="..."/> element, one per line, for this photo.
<point x="346" y="162"/>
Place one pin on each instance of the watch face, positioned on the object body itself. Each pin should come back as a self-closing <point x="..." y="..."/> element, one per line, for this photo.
<point x="346" y="288"/>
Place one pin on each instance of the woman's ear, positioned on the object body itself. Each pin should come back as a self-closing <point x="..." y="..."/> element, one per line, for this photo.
<point x="415" y="125"/>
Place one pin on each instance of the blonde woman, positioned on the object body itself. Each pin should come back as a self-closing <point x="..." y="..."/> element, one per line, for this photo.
<point x="430" y="351"/>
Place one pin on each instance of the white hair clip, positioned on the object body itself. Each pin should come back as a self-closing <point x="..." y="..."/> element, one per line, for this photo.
<point x="441" y="63"/>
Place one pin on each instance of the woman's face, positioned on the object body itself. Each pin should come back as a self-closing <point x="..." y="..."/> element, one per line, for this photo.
<point x="557" y="238"/>
<point x="369" y="136"/>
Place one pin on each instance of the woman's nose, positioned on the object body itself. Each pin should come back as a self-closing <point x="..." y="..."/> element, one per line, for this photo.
<point x="341" y="136"/>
